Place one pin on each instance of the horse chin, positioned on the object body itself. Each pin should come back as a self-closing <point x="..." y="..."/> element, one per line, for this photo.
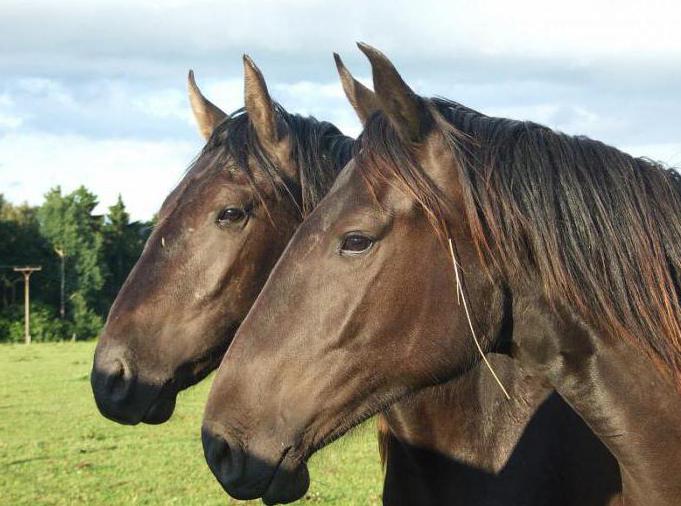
<point x="160" y="411"/>
<point x="287" y="485"/>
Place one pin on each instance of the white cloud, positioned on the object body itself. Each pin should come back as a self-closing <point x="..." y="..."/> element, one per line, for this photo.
<point x="6" y="100"/>
<point x="226" y="94"/>
<point x="9" y="122"/>
<point x="98" y="108"/>
<point x="94" y="93"/>
<point x="570" y="119"/>
<point x="151" y="38"/>
<point x="163" y="104"/>
<point x="668" y="154"/>
<point x="173" y="103"/>
<point x="144" y="172"/>
<point x="47" y="88"/>
<point x="310" y="89"/>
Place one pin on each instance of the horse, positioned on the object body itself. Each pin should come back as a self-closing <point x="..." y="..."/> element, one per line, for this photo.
<point x="143" y="346"/>
<point x="447" y="236"/>
<point x="462" y="443"/>
<point x="218" y="234"/>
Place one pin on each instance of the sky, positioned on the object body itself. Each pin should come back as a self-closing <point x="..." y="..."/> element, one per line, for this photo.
<point x="94" y="92"/>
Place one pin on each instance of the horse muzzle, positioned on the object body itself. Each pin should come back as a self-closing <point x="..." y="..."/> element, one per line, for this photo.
<point x="247" y="475"/>
<point x="122" y="396"/>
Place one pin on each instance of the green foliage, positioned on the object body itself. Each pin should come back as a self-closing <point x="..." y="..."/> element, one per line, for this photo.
<point x="86" y="323"/>
<point x="45" y="326"/>
<point x="98" y="252"/>
<point x="22" y="244"/>
<point x="123" y="243"/>
<point x="57" y="449"/>
<point x="68" y="224"/>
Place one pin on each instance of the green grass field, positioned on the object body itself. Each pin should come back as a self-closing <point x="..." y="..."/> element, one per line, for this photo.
<point x="55" y="447"/>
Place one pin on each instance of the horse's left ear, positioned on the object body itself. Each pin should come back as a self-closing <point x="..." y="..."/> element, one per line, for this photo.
<point x="207" y="114"/>
<point x="362" y="99"/>
<point x="405" y="109"/>
<point x="259" y="105"/>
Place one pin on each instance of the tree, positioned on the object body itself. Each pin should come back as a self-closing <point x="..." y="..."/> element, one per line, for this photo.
<point x="69" y="225"/>
<point x="98" y="253"/>
<point x="22" y="244"/>
<point x="123" y="244"/>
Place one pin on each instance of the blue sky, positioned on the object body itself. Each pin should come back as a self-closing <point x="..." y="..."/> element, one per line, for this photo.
<point x="93" y="92"/>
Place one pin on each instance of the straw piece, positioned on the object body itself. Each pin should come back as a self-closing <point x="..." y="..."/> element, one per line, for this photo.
<point x="459" y="293"/>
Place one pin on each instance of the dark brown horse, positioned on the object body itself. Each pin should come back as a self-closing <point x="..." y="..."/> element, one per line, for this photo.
<point x="218" y="235"/>
<point x="433" y="459"/>
<point x="568" y="257"/>
<point x="464" y="443"/>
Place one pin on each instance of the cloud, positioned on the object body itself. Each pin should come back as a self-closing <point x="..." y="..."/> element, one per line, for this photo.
<point x="8" y="122"/>
<point x="97" y="108"/>
<point x="296" y="37"/>
<point x="144" y="172"/>
<point x="668" y="154"/>
<point x="95" y="92"/>
<point x="9" y="119"/>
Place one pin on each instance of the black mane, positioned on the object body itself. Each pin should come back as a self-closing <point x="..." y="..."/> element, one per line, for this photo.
<point x="600" y="229"/>
<point x="319" y="149"/>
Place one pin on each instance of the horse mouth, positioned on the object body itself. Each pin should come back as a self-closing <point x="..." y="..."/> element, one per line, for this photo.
<point x="290" y="481"/>
<point x="163" y="407"/>
<point x="160" y="410"/>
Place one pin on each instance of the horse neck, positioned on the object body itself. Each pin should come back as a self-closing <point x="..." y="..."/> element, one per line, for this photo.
<point x="616" y="389"/>
<point x="469" y="419"/>
<point x="464" y="443"/>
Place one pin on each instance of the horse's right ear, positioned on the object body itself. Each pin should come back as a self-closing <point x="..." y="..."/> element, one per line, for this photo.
<point x="405" y="109"/>
<point x="259" y="105"/>
<point x="362" y="99"/>
<point x="206" y="113"/>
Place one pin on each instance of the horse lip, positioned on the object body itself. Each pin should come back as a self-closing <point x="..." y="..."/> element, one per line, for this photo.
<point x="277" y="469"/>
<point x="162" y="408"/>
<point x="123" y="420"/>
<point x="297" y="466"/>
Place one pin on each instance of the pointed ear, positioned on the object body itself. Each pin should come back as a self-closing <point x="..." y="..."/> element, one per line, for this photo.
<point x="405" y="109"/>
<point x="207" y="114"/>
<point x="259" y="105"/>
<point x="362" y="99"/>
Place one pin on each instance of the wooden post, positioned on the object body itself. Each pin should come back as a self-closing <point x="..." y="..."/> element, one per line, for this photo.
<point x="27" y="271"/>
<point x="62" y="306"/>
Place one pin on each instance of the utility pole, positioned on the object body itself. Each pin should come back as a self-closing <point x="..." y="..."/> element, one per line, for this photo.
<point x="27" y="271"/>
<point x="62" y="307"/>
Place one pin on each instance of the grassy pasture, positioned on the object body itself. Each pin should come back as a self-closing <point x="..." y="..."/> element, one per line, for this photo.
<point x="55" y="448"/>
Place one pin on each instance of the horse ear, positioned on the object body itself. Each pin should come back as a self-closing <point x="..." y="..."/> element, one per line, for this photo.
<point x="362" y="99"/>
<point x="405" y="109"/>
<point x="207" y="114"/>
<point x="259" y="105"/>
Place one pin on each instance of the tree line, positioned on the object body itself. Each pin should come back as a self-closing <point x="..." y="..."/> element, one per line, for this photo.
<point x="85" y="258"/>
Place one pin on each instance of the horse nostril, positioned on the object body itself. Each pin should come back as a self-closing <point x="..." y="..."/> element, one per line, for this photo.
<point x="223" y="460"/>
<point x="119" y="381"/>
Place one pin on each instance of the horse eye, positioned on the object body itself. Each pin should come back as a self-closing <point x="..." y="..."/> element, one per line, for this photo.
<point x="230" y="216"/>
<point x="356" y="243"/>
